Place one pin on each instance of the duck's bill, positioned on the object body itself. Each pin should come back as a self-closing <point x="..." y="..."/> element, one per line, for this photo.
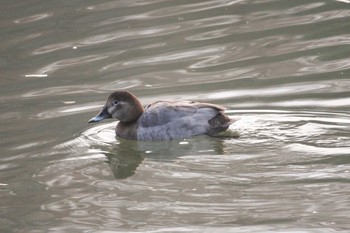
<point x="104" y="114"/>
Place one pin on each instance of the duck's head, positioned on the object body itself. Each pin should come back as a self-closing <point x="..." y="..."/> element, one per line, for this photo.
<point x="121" y="105"/>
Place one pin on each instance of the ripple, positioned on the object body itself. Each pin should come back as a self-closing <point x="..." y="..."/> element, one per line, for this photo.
<point x="33" y="18"/>
<point x="100" y="39"/>
<point x="62" y="64"/>
<point x="66" y="111"/>
<point x="256" y="24"/>
<point x="53" y="48"/>
<point x="329" y="103"/>
<point x="214" y="34"/>
<point x="291" y="90"/>
<point x="314" y="65"/>
<point x="113" y="5"/>
<point x="318" y="150"/>
<point x="103" y="133"/>
<point x="120" y="84"/>
<point x="164" y="58"/>
<point x="56" y="91"/>
<point x="326" y="42"/>
<point x="213" y="22"/>
<point x="191" y="8"/>
<point x="286" y="127"/>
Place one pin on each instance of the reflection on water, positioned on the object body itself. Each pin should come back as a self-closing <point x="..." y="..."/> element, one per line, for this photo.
<point x="125" y="156"/>
<point x="280" y="67"/>
<point x="275" y="131"/>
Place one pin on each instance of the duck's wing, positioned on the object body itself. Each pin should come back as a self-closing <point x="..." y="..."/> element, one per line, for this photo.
<point x="165" y="120"/>
<point x="163" y="112"/>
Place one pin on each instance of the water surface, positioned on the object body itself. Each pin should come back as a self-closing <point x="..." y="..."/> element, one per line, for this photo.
<point x="280" y="67"/>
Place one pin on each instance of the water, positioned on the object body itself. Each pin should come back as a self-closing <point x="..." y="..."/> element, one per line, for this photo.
<point x="280" y="67"/>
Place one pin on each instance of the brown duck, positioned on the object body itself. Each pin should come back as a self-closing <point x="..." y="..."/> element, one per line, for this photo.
<point x="162" y="120"/>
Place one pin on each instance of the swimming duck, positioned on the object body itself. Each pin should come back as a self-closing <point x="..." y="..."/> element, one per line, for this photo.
<point x="162" y="120"/>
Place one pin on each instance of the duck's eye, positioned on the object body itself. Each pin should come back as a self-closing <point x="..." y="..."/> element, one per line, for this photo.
<point x="116" y="102"/>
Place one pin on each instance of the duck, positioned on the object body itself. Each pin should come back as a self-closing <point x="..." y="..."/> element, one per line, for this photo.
<point x="162" y="120"/>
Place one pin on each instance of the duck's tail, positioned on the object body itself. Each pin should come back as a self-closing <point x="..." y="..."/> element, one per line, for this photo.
<point x="219" y="123"/>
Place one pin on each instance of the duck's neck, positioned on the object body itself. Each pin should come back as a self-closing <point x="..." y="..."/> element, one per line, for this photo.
<point x="127" y="130"/>
<point x="136" y="111"/>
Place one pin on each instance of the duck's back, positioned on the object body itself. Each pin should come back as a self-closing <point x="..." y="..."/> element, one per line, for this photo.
<point x="165" y="120"/>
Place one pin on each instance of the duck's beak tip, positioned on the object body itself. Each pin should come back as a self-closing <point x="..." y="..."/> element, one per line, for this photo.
<point x="93" y="120"/>
<point x="101" y="116"/>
